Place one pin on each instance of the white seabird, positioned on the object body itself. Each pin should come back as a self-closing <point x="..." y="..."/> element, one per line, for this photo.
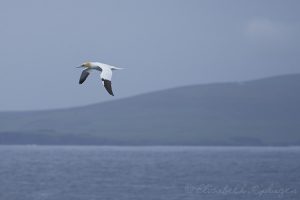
<point x="106" y="73"/>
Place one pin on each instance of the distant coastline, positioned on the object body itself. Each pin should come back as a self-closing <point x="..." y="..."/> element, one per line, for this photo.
<point x="264" y="112"/>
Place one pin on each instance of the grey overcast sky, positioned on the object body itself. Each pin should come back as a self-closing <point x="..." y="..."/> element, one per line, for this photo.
<point x="161" y="43"/>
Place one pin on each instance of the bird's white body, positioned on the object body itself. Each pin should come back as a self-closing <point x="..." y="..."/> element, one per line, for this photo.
<point x="106" y="73"/>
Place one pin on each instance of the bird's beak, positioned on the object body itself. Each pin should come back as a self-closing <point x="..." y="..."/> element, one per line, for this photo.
<point x="80" y="66"/>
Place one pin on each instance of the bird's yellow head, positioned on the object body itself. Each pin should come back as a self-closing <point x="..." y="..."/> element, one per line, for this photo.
<point x="87" y="64"/>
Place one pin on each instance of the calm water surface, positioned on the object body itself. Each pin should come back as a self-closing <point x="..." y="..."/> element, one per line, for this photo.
<point x="92" y="173"/>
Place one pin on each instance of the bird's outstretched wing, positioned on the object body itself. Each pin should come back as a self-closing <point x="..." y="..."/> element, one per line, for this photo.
<point x="106" y="79"/>
<point x="107" y="85"/>
<point x="85" y="73"/>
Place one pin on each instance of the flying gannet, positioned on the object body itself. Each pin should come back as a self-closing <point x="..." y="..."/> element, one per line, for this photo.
<point x="106" y="73"/>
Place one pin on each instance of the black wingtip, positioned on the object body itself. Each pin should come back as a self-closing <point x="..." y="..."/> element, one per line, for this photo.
<point x="110" y="92"/>
<point x="107" y="85"/>
<point x="83" y="76"/>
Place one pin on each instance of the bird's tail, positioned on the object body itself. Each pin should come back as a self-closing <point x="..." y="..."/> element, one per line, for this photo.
<point x="115" y="68"/>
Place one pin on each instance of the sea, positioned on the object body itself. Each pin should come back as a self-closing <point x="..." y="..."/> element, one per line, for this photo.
<point x="149" y="173"/>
